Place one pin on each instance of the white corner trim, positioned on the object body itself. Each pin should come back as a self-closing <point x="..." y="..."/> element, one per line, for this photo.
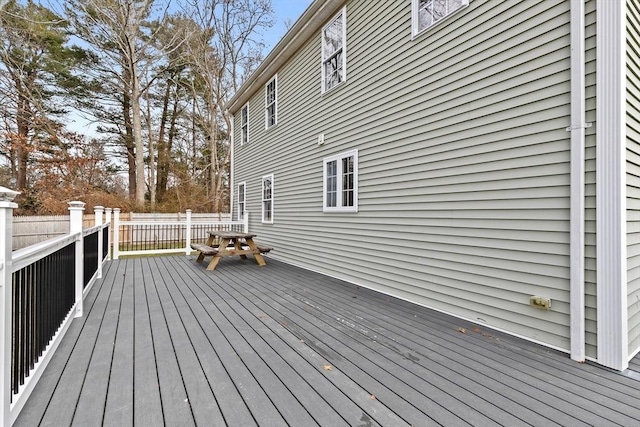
<point x="611" y="186"/>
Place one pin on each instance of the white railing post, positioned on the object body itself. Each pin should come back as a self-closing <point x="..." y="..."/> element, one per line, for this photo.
<point x="107" y="213"/>
<point x="6" y="271"/>
<point x="245" y="219"/>
<point x="116" y="233"/>
<point x="76" y="210"/>
<point x="187" y="248"/>
<point x="98" y="210"/>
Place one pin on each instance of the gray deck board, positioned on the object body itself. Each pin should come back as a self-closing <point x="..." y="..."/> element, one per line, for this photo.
<point x="89" y="410"/>
<point x="272" y="361"/>
<point x="119" y="401"/>
<point x="174" y="398"/>
<point x="146" y="400"/>
<point x="407" y="342"/>
<point x="225" y="393"/>
<point x="62" y="407"/>
<point x="164" y="341"/>
<point x="314" y="392"/>
<point x="550" y="370"/>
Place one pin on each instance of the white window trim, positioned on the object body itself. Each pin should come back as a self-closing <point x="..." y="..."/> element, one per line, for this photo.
<point x="343" y="12"/>
<point x="241" y="212"/>
<point x="242" y="125"/>
<point x="266" y="111"/>
<point x="415" y="19"/>
<point x="270" y="176"/>
<point x="338" y="158"/>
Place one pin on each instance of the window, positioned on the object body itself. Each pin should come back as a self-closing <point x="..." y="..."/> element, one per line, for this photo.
<point x="267" y="199"/>
<point x="271" y="103"/>
<point x="427" y="13"/>
<point x="242" y="200"/>
<point x="341" y="183"/>
<point x="244" y="124"/>
<point x="334" y="56"/>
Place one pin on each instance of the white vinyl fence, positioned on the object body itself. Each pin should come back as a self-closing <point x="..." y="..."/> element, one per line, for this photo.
<point x="29" y="230"/>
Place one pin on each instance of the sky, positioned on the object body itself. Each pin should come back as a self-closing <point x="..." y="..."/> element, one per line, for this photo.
<point x="284" y="10"/>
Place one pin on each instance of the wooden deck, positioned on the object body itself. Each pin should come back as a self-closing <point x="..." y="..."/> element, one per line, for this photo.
<point x="166" y="342"/>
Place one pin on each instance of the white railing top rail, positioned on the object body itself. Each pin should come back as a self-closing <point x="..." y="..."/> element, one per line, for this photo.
<point x="31" y="254"/>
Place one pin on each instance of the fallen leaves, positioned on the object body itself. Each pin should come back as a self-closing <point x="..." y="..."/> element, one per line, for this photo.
<point x="462" y="330"/>
<point x="327" y="367"/>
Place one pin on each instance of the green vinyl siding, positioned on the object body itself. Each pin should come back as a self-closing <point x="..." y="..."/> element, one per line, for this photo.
<point x="463" y="161"/>
<point x="591" y="323"/>
<point x="633" y="174"/>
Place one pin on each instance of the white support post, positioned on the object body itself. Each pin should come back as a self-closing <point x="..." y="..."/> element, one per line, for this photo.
<point x="107" y="214"/>
<point x="6" y="222"/>
<point x="98" y="210"/>
<point x="76" y="210"/>
<point x="116" y="233"/>
<point x="187" y="249"/>
<point x="245" y="219"/>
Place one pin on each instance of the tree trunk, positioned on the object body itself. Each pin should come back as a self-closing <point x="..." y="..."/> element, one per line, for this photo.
<point x="128" y="139"/>
<point x="214" y="161"/>
<point x="152" y="154"/>
<point x="22" y="151"/>
<point x="137" y="137"/>
<point x="163" y="157"/>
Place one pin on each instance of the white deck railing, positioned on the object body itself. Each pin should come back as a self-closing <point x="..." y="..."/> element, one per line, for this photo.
<point x="42" y="288"/>
<point x="58" y="274"/>
<point x="166" y="237"/>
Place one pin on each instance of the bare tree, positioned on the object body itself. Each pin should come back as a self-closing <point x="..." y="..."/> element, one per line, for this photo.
<point x="221" y="55"/>
<point x="119" y="33"/>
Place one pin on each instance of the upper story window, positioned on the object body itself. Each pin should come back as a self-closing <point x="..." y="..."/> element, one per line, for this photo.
<point x="242" y="200"/>
<point x="334" y="52"/>
<point x="244" y="124"/>
<point x="341" y="183"/>
<point x="427" y="13"/>
<point x="271" y="102"/>
<point x="267" y="199"/>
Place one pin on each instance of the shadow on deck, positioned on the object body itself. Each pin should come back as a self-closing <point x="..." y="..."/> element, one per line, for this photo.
<point x="165" y="342"/>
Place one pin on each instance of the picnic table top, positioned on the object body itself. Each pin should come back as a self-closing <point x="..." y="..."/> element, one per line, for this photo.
<point x="226" y="234"/>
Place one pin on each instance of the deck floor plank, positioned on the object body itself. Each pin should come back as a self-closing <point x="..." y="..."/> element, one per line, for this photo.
<point x="420" y="376"/>
<point x="199" y="393"/>
<point x="164" y="341"/>
<point x="624" y="397"/>
<point x="238" y="334"/>
<point x="256" y="400"/>
<point x="410" y="343"/>
<point x="412" y="404"/>
<point x="90" y="407"/>
<point x="175" y="402"/>
<point x="345" y="396"/>
<point x="62" y="407"/>
<point x="119" y="408"/>
<point x="302" y="379"/>
<point x="407" y="366"/>
<point x="224" y="395"/>
<point x="146" y="400"/>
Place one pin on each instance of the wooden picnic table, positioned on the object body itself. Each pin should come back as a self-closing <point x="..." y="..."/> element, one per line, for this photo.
<point x="231" y="243"/>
